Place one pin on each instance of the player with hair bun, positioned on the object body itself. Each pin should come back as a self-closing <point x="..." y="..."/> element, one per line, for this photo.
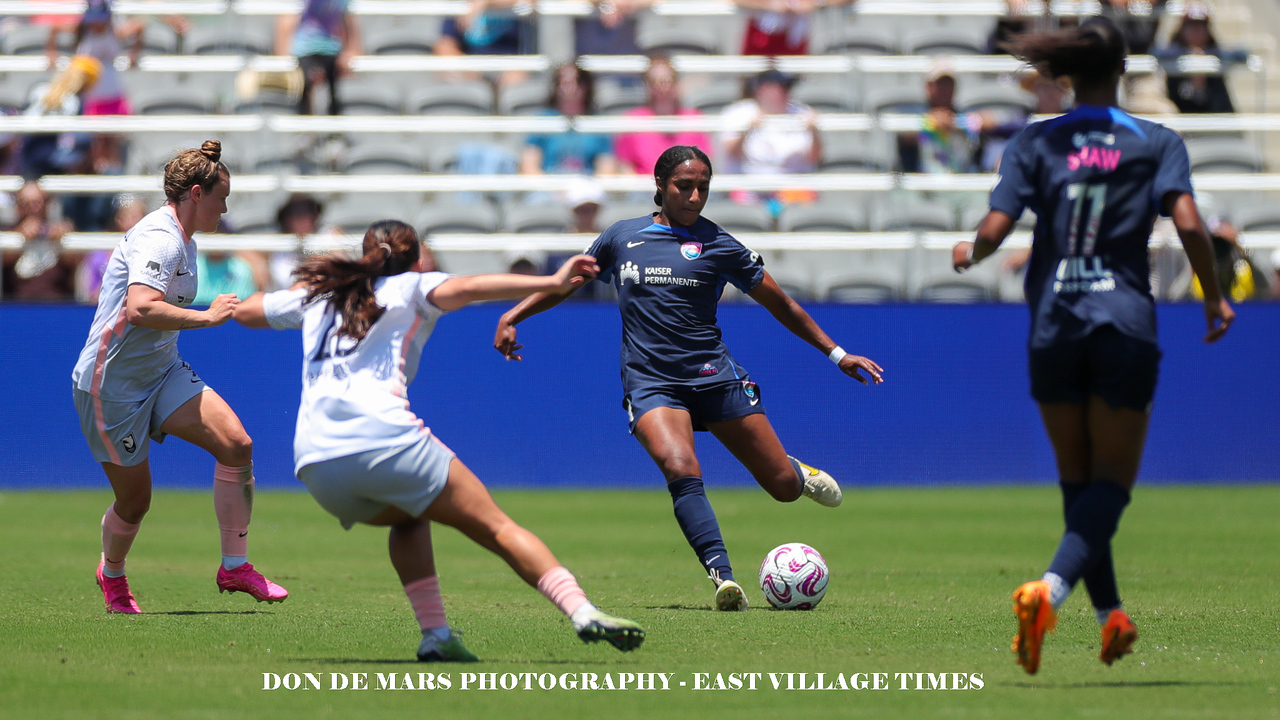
<point x="677" y="374"/>
<point x="1096" y="179"/>
<point x="131" y="386"/>
<point x="366" y="458"/>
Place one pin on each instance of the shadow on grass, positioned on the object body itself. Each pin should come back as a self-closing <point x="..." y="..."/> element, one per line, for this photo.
<point x="1128" y="684"/>
<point x="209" y="612"/>
<point x="483" y="662"/>
<point x="695" y="608"/>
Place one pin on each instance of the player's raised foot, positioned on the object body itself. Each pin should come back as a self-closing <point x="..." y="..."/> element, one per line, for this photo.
<point x="115" y="591"/>
<point x="433" y="649"/>
<point x="247" y="580"/>
<point x="729" y="595"/>
<point x="1035" y="617"/>
<point x="819" y="486"/>
<point x="1118" y="636"/>
<point x="619" y="632"/>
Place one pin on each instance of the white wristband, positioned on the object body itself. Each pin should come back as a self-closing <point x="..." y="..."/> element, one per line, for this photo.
<point x="837" y="355"/>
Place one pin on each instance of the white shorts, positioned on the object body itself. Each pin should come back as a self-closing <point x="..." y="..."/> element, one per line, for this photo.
<point x="357" y="488"/>
<point x="121" y="432"/>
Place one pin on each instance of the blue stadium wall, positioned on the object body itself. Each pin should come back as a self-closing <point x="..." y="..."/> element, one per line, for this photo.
<point x="954" y="407"/>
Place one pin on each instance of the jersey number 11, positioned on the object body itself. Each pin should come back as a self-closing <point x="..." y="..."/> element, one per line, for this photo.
<point x="1096" y="194"/>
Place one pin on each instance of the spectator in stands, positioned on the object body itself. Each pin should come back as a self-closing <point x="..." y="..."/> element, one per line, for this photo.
<point x="324" y="38"/>
<point x="610" y="29"/>
<point x="99" y="35"/>
<point x="95" y="213"/>
<point x="1240" y="278"/>
<point x="40" y="270"/>
<point x="491" y="27"/>
<point x="56" y="153"/>
<point x="570" y="152"/>
<point x="1137" y="20"/>
<point x="223" y="272"/>
<point x="584" y="197"/>
<point x="128" y="211"/>
<point x="1198" y="93"/>
<point x="300" y="217"/>
<point x="949" y="141"/>
<point x="637" y="152"/>
<point x="752" y="142"/>
<point x="780" y="27"/>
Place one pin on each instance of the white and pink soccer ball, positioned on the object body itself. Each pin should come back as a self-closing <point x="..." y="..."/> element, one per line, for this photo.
<point x="793" y="577"/>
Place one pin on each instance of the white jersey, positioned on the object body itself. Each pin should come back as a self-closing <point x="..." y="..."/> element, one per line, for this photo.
<point x="354" y="393"/>
<point x="121" y="362"/>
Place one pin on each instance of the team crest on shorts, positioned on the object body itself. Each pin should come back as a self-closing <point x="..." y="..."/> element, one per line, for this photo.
<point x="691" y="250"/>
<point x="752" y="390"/>
<point x="129" y="444"/>
<point x="707" y="369"/>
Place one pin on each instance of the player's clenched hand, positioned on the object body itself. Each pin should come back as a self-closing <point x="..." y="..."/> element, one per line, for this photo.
<point x="221" y="308"/>
<point x="504" y="341"/>
<point x="576" y="271"/>
<point x="962" y="256"/>
<point x="1219" y="316"/>
<point x="851" y="364"/>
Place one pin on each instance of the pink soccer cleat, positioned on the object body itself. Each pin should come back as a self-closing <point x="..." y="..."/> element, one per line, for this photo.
<point x="247" y="580"/>
<point x="116" y="593"/>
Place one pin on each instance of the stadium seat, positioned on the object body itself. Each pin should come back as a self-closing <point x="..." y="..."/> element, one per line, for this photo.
<point x="383" y="157"/>
<point x="738" y="218"/>
<point x="934" y="279"/>
<point x="828" y="95"/>
<point x="616" y="212"/>
<point x="444" y="217"/>
<point x="855" y="153"/>
<point x="160" y="39"/>
<point x="675" y="35"/>
<point x="943" y="41"/>
<point x="257" y="219"/>
<point x="1258" y="218"/>
<point x="225" y="40"/>
<point x="31" y="40"/>
<point x="190" y="99"/>
<point x="526" y="98"/>
<point x="824" y="216"/>
<point x="367" y="98"/>
<point x="1223" y="155"/>
<point x="615" y="99"/>
<point x="520" y="218"/>
<point x="412" y="40"/>
<point x="974" y="97"/>
<point x="268" y="103"/>
<point x="896" y="98"/>
<point x="353" y="213"/>
<point x="852" y="39"/>
<point x="973" y="214"/>
<point x="711" y="99"/>
<point x="918" y="215"/>
<point x="471" y="97"/>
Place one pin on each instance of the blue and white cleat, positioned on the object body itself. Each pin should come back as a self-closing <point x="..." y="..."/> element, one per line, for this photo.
<point x="621" y="633"/>
<point x="434" y="649"/>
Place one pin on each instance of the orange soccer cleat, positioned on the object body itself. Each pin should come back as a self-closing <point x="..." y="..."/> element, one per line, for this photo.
<point x="1118" y="636"/>
<point x="1036" y="616"/>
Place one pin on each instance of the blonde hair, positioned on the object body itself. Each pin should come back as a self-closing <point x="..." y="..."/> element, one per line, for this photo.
<point x="193" y="167"/>
<point x="79" y="76"/>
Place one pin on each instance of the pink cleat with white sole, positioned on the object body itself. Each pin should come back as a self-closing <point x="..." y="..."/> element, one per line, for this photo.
<point x="115" y="591"/>
<point x="247" y="580"/>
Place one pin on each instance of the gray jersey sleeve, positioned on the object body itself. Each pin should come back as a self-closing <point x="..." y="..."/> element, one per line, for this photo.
<point x="154" y="259"/>
<point x="284" y="308"/>
<point x="422" y="291"/>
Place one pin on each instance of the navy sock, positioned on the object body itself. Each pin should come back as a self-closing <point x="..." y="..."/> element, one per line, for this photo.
<point x="1071" y="491"/>
<point x="1100" y="581"/>
<point x="698" y="522"/>
<point x="1091" y="523"/>
<point x="799" y="472"/>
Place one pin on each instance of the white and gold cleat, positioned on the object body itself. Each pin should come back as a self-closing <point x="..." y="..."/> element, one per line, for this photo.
<point x="729" y="594"/>
<point x="819" y="486"/>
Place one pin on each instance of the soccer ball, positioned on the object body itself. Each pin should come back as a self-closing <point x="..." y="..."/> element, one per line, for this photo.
<point x="793" y="577"/>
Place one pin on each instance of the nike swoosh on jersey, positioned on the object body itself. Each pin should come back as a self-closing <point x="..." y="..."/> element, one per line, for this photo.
<point x="633" y="244"/>
<point x="184" y="273"/>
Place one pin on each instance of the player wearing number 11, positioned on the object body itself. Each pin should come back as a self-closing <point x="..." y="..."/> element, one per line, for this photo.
<point x="1096" y="179"/>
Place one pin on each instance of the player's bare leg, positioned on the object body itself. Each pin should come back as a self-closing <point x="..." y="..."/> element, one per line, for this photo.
<point x="667" y="435"/>
<point x="754" y="443"/>
<point x="208" y="422"/>
<point x="120" y="524"/>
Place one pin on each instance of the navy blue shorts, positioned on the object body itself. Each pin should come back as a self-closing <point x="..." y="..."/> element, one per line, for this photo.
<point x="1120" y="369"/>
<point x="715" y="403"/>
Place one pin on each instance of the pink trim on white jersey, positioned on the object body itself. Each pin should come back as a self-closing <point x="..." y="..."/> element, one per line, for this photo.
<point x="99" y="418"/>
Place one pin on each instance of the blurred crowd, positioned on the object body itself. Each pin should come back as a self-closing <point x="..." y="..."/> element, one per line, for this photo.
<point x="766" y="131"/>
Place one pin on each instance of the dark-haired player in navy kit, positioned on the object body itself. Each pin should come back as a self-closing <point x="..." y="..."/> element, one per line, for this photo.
<point x="1096" y="179"/>
<point x="677" y="374"/>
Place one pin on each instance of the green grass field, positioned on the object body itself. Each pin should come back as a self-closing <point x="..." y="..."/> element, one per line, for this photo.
<point x="920" y="583"/>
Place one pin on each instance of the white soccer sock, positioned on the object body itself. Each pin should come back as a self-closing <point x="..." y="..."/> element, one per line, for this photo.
<point x="231" y="562"/>
<point x="1104" y="614"/>
<point x="442" y="633"/>
<point x="1059" y="590"/>
<point x="580" y="618"/>
<point x="108" y="572"/>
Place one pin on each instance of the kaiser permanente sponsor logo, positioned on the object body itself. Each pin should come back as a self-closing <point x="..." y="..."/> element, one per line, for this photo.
<point x="663" y="276"/>
<point x="528" y="681"/>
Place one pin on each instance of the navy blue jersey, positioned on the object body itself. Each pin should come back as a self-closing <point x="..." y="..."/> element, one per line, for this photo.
<point x="1096" y="179"/>
<point x="669" y="282"/>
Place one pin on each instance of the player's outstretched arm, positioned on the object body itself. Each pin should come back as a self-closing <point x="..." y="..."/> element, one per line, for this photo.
<point x="1199" y="248"/>
<point x="504" y="338"/>
<point x="459" y="292"/>
<point x="794" y="318"/>
<point x="992" y="231"/>
<point x="145" y="307"/>
<point x="249" y="312"/>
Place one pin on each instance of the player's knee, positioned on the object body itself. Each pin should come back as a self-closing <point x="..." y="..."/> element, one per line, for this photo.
<point x="680" y="465"/>
<point x="132" y="509"/>
<point x="785" y="487"/>
<point x="238" y="450"/>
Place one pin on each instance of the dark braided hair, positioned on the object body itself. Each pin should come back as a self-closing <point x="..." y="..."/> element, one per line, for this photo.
<point x="1094" y="50"/>
<point x="671" y="159"/>
<point x="390" y="248"/>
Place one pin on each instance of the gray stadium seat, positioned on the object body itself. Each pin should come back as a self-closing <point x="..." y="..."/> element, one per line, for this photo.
<point x="469" y="97"/>
<point x="896" y="98"/>
<point x="828" y="95"/>
<point x="943" y="41"/>
<point x="614" y="99"/>
<point x="737" y="218"/>
<point x="934" y="279"/>
<point x="354" y="213"/>
<point x="824" y="216"/>
<point x="366" y="98"/>
<point x="31" y="40"/>
<point x="239" y="40"/>
<point x="972" y="215"/>
<point x="851" y="39"/>
<point x="677" y="35"/>
<point x="160" y="39"/>
<point x="918" y="215"/>
<point x="411" y="40"/>
<point x="711" y="99"/>
<point x="442" y="217"/>
<point x="617" y="212"/>
<point x="267" y="103"/>
<point x="1257" y="218"/>
<point x="519" y="218"/>
<point x="190" y="99"/>
<point x="971" y="97"/>
<point x="856" y="152"/>
<point x="526" y="98"/>
<point x="383" y="157"/>
<point x="1223" y="155"/>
